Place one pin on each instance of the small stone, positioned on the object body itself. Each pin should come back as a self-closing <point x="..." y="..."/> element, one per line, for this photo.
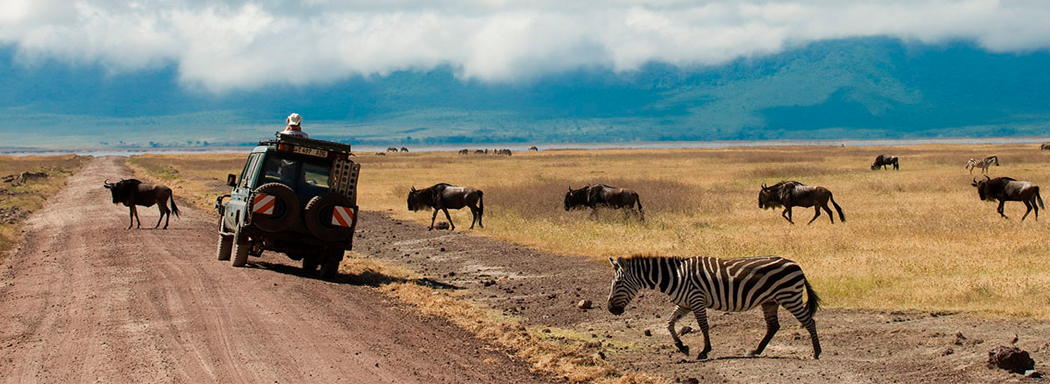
<point x="648" y="333"/>
<point x="584" y="304"/>
<point x="948" y="351"/>
<point x="1012" y="359"/>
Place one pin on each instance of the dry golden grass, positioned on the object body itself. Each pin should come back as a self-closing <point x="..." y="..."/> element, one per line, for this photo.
<point x="917" y="238"/>
<point x="197" y="178"/>
<point x="29" y="197"/>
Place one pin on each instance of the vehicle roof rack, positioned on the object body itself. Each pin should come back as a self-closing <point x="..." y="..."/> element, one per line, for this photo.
<point x="312" y="143"/>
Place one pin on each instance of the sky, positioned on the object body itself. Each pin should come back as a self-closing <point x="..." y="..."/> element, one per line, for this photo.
<point x="216" y="47"/>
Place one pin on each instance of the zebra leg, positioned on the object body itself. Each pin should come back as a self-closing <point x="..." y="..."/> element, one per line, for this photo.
<point x="679" y="312"/>
<point x="769" y="310"/>
<point x="793" y="303"/>
<point x="701" y="320"/>
<point x="816" y="208"/>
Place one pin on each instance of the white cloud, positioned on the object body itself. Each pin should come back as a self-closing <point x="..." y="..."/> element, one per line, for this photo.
<point x="222" y="45"/>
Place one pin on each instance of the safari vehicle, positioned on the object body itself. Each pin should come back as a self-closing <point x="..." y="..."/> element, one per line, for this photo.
<point x="296" y="196"/>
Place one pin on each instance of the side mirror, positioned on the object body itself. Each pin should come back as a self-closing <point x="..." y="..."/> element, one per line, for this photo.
<point x="231" y="180"/>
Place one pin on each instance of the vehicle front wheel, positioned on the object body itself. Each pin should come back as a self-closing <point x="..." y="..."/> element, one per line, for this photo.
<point x="240" y="253"/>
<point x="225" y="247"/>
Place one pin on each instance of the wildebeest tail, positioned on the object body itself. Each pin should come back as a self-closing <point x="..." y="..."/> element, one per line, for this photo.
<point x="174" y="209"/>
<point x="813" y="302"/>
<point x="842" y="216"/>
<point x="481" y="202"/>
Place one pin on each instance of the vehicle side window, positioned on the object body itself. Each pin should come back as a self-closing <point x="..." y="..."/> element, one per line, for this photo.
<point x="249" y="170"/>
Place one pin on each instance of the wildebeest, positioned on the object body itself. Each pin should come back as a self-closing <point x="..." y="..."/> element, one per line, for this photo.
<point x="443" y="196"/>
<point x="792" y="193"/>
<point x="884" y="160"/>
<point x="403" y="149"/>
<point x="533" y="149"/>
<point x="983" y="164"/>
<point x="391" y="149"/>
<point x="1045" y="147"/>
<point x="504" y="151"/>
<point x="464" y="151"/>
<point x="132" y="192"/>
<point x="601" y="195"/>
<point x="1006" y="189"/>
<point x="380" y="154"/>
<point x="480" y="152"/>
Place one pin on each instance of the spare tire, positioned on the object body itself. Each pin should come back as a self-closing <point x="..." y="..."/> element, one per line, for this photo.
<point x="285" y="211"/>
<point x="319" y="217"/>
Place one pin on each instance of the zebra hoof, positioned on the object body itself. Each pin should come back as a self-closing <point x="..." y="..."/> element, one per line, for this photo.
<point x="683" y="348"/>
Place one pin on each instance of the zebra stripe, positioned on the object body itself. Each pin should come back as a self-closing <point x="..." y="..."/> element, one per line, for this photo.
<point x="734" y="285"/>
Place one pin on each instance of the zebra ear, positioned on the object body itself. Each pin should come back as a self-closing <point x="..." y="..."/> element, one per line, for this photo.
<point x="614" y="263"/>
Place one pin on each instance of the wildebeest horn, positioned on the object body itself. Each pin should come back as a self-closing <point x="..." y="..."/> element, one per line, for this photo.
<point x="975" y="181"/>
<point x="764" y="186"/>
<point x="106" y="183"/>
<point x="987" y="178"/>
<point x="413" y="188"/>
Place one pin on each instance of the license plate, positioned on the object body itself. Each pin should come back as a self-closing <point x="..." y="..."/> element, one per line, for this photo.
<point x="311" y="151"/>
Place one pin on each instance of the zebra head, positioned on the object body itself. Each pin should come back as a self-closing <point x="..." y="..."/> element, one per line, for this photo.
<point x="625" y="286"/>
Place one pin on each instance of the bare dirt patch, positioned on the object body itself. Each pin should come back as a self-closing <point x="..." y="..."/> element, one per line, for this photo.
<point x="82" y="300"/>
<point x="544" y="290"/>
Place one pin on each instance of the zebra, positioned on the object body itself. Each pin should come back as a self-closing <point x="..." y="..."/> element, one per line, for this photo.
<point x="983" y="164"/>
<point x="736" y="285"/>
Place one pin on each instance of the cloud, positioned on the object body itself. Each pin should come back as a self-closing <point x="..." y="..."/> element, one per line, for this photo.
<point x="226" y="45"/>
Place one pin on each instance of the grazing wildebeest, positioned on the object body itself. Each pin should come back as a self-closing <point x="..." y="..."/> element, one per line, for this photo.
<point x="443" y="196"/>
<point x="380" y="154"/>
<point x="1045" y="147"/>
<point x="132" y="192"/>
<point x="884" y="160"/>
<point x="403" y="149"/>
<point x="504" y="151"/>
<point x="464" y="151"/>
<point x="792" y="193"/>
<point x="480" y="152"/>
<point x="391" y="149"/>
<point x="601" y="195"/>
<point x="533" y="149"/>
<point x="983" y="164"/>
<point x="1006" y="189"/>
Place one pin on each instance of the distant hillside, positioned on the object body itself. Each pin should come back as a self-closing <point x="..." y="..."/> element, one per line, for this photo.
<point x="871" y="88"/>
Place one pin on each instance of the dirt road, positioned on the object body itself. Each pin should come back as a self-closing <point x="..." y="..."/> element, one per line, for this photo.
<point x="859" y="346"/>
<point x="82" y="300"/>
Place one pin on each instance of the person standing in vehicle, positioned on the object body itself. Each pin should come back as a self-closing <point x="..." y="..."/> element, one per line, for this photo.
<point x="294" y="126"/>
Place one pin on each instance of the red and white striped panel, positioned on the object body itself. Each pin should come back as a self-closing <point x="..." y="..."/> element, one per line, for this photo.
<point x="264" y="204"/>
<point x="342" y="216"/>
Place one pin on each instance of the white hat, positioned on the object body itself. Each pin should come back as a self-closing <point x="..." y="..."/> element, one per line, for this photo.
<point x="294" y="119"/>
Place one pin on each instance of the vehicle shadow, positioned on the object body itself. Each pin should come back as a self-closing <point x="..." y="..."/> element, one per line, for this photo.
<point x="368" y="278"/>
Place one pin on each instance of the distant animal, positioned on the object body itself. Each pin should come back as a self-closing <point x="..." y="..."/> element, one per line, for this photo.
<point x="443" y="196"/>
<point x="735" y="285"/>
<point x="504" y="151"/>
<point x="884" y="160"/>
<point x="403" y="149"/>
<point x="380" y="154"/>
<point x="601" y="195"/>
<point x="480" y="152"/>
<point x="533" y="149"/>
<point x="1045" y="147"/>
<point x="132" y="192"/>
<point x="789" y="194"/>
<point x="1006" y="189"/>
<point x="391" y="149"/>
<point x="983" y="164"/>
<point x="464" y="151"/>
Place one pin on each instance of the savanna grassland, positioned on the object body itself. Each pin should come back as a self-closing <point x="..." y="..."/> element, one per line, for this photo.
<point x="917" y="238"/>
<point x="18" y="201"/>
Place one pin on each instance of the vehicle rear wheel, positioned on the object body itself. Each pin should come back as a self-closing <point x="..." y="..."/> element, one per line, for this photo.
<point x="240" y="252"/>
<point x="225" y="247"/>
<point x="310" y="263"/>
<point x="285" y="210"/>
<point x="318" y="217"/>
<point x="331" y="264"/>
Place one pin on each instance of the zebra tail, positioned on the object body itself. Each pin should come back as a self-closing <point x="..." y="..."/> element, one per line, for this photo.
<point x="814" y="301"/>
<point x="842" y="216"/>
